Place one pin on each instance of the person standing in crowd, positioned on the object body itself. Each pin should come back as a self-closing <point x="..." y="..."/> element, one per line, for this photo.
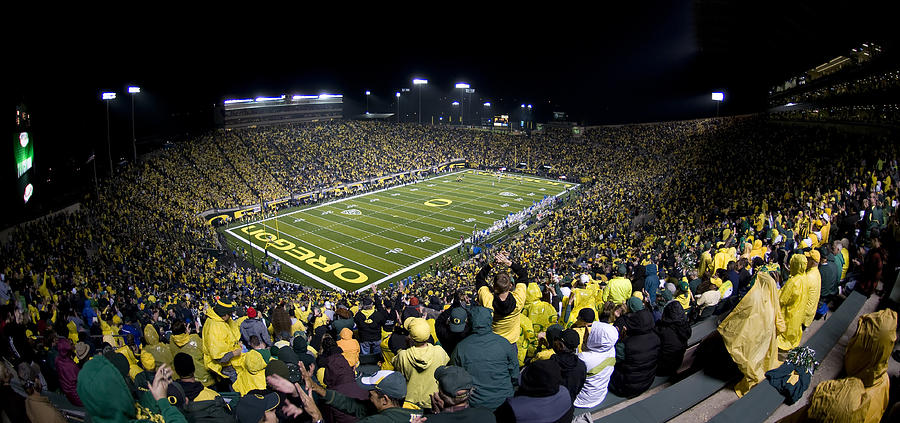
<point x="418" y="363"/>
<point x="369" y="320"/>
<point x="505" y="300"/>
<point x="221" y="346"/>
<point x="490" y="359"/>
<point x="251" y="326"/>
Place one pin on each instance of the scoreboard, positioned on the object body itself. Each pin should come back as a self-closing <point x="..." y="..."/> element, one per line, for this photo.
<point x="23" y="153"/>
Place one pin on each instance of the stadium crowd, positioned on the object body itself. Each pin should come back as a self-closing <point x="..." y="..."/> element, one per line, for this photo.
<point x="121" y="308"/>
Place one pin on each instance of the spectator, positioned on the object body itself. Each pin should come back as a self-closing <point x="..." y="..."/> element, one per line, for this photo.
<point x="350" y="347"/>
<point x="637" y="351"/>
<point x="251" y="326"/>
<point x="573" y="370"/>
<point x="107" y="398"/>
<point x="220" y="345"/>
<point x="540" y="398"/>
<point x="490" y="359"/>
<point x="418" y="363"/>
<point x="673" y="330"/>
<point x="67" y="370"/>
<point x="451" y="401"/>
<point x="599" y="357"/>
<point x="369" y="321"/>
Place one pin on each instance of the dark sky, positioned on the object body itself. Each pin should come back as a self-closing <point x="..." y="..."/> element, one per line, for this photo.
<point x="606" y="64"/>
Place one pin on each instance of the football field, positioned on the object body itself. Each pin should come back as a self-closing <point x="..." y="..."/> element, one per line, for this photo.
<point x="382" y="236"/>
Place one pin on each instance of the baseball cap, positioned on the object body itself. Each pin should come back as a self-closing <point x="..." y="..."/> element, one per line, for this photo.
<point x="452" y="379"/>
<point x="252" y="407"/>
<point x="458" y="318"/>
<point x="388" y="382"/>
<point x="570" y="339"/>
<point x="251" y="312"/>
<point x="414" y="301"/>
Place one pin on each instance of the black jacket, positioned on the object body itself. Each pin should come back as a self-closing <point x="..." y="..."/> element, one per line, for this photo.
<point x="674" y="331"/>
<point x="574" y="372"/>
<point x="369" y="327"/>
<point x="635" y="372"/>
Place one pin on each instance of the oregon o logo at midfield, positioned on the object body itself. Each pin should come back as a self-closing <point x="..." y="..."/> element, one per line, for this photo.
<point x="438" y="202"/>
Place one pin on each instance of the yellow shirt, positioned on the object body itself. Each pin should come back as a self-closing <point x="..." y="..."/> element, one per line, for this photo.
<point x="508" y="326"/>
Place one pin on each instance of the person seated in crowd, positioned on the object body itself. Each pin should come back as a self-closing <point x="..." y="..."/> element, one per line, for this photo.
<point x="637" y="351"/>
<point x="540" y="397"/>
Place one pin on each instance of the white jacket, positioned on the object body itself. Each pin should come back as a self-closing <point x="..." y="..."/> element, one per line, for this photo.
<point x="599" y="357"/>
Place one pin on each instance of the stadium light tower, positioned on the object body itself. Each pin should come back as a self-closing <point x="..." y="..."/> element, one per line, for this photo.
<point x="462" y="89"/>
<point x="718" y="97"/>
<point x="107" y="97"/>
<point x="133" y="90"/>
<point x="420" y="82"/>
<point x="368" y="93"/>
<point x="398" y="106"/>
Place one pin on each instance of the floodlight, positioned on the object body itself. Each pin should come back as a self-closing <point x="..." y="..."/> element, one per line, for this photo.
<point x="398" y="95"/>
<point x="487" y="104"/>
<point x="462" y="85"/>
<point x="262" y="99"/>
<point x="324" y="96"/>
<point x="455" y="103"/>
<point x="304" y="97"/>
<point x="790" y="104"/>
<point x="108" y="96"/>
<point x="368" y="92"/>
<point x="243" y="100"/>
<point x="418" y="81"/>
<point x="529" y="106"/>
<point x="134" y="90"/>
<point x="523" y="106"/>
<point x="718" y="96"/>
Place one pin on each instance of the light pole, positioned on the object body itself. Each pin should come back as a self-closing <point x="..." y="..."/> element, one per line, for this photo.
<point x="420" y="83"/>
<point x="462" y="87"/>
<point x="487" y="108"/>
<point x="718" y="97"/>
<point x="368" y="93"/>
<point x="398" y="106"/>
<point x="106" y="98"/>
<point x="456" y="104"/>
<point x="133" y="90"/>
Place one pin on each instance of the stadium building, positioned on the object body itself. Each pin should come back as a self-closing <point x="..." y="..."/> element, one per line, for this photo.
<point x="262" y="111"/>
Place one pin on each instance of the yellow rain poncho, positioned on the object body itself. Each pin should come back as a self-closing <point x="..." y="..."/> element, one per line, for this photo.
<point x="839" y="401"/>
<point x="750" y="332"/>
<point x="792" y="298"/>
<point x="813" y="285"/>
<point x="527" y="339"/>
<point x="867" y="358"/>
<point x="162" y="353"/>
<point x="251" y="374"/>
<point x="218" y="340"/>
<point x="542" y="315"/>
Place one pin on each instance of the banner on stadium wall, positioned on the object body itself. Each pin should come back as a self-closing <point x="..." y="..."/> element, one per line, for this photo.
<point x="223" y="217"/>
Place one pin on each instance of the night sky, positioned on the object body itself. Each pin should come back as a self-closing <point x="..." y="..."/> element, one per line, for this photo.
<point x="608" y="64"/>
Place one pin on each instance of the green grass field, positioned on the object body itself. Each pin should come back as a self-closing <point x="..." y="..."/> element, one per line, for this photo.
<point x="382" y="236"/>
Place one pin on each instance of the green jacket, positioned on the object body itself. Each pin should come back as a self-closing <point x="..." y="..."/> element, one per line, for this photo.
<point x="107" y="399"/>
<point x="363" y="409"/>
<point x="490" y="359"/>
